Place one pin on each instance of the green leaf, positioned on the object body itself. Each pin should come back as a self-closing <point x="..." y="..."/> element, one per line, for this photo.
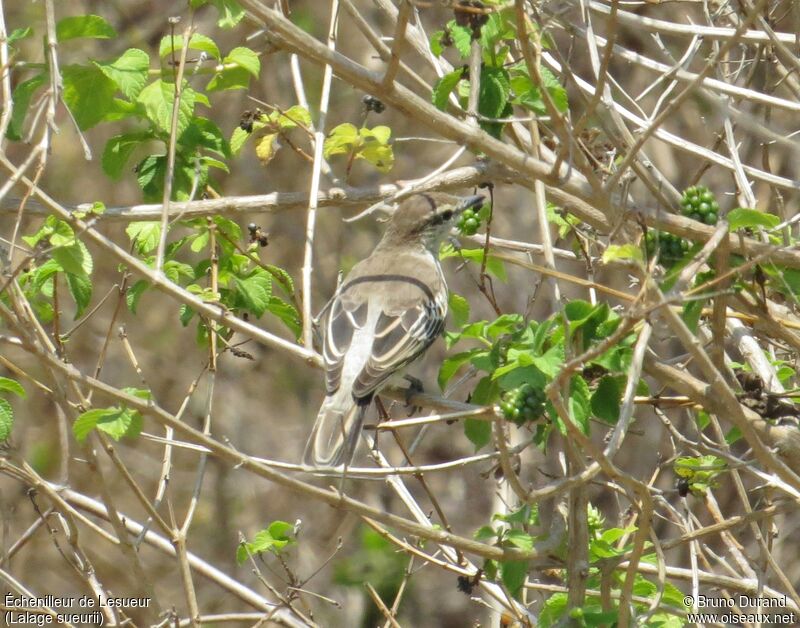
<point x="478" y="432"/>
<point x="62" y="234"/>
<point x="89" y="26"/>
<point x="245" y="59"/>
<point x="174" y="270"/>
<point x="692" y="310"/>
<point x="116" y="422"/>
<point x="21" y="98"/>
<point x="129" y="71"/>
<point x="287" y="313"/>
<point x="555" y="89"/>
<point x="19" y="33"/>
<point x="229" y="78"/>
<point x="293" y="117"/>
<point x="255" y="291"/>
<point x="459" y="309"/>
<point x="550" y="361"/>
<point x="451" y="364"/>
<point x="12" y="386"/>
<point x="462" y="38"/>
<point x="494" y="266"/>
<point x="74" y="259"/>
<point x="627" y="252"/>
<point x="435" y="43"/>
<point x="499" y="26"/>
<point x="578" y="310"/>
<point x="244" y="62"/>
<point x="44" y="273"/>
<point x="144" y="235"/>
<point x="121" y="109"/>
<point x="375" y="148"/>
<point x="340" y="140"/>
<point x="119" y="149"/>
<point x="230" y="13"/>
<point x="527" y="94"/>
<point x="527" y="514"/>
<point x="88" y="421"/>
<point x="88" y="93"/>
<point x="238" y="139"/>
<point x="204" y="133"/>
<point x="485" y="533"/>
<point x="150" y="176"/>
<point x="273" y="539"/>
<point x="284" y="279"/>
<point x="579" y="404"/>
<point x="606" y="399"/>
<point x="513" y="574"/>
<point x="80" y="287"/>
<point x="520" y="539"/>
<point x="134" y="294"/>
<point x="444" y="87"/>
<point x="170" y="44"/>
<point x="6" y="419"/>
<point x="158" y="98"/>
<point x="553" y="610"/>
<point x="744" y="218"/>
<point x="125" y="422"/>
<point x="493" y="93"/>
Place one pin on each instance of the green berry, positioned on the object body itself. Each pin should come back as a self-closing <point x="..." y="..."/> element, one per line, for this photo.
<point x="710" y="218"/>
<point x="697" y="201"/>
<point x="524" y="403"/>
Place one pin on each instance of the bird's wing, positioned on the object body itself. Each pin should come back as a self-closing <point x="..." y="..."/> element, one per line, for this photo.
<point x="398" y="340"/>
<point x="345" y="318"/>
<point x="409" y="319"/>
<point x="389" y="309"/>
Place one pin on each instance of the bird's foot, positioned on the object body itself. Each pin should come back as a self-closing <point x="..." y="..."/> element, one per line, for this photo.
<point x="414" y="388"/>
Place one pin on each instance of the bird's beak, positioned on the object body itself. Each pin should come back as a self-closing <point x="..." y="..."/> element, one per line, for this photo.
<point x="468" y="202"/>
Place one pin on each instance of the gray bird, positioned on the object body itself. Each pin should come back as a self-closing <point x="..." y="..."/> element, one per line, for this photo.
<point x="385" y="314"/>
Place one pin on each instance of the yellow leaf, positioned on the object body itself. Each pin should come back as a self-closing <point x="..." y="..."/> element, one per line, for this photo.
<point x="627" y="252"/>
<point x="266" y="147"/>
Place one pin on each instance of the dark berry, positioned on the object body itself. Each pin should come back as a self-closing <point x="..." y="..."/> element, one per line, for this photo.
<point x="373" y="104"/>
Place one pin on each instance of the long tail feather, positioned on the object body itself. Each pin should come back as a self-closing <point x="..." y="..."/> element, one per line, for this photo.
<point x="335" y="435"/>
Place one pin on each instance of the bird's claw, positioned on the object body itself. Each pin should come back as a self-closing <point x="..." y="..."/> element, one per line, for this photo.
<point x="414" y="387"/>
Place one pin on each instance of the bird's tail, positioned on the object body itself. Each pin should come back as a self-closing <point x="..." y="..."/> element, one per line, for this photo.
<point x="335" y="435"/>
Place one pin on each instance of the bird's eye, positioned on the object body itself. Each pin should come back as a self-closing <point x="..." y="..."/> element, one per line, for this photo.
<point x="447" y="214"/>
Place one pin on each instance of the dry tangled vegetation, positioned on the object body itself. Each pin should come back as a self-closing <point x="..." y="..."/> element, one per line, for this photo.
<point x="613" y="438"/>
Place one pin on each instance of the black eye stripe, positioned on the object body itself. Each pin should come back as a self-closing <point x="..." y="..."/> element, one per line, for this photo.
<point x="431" y="201"/>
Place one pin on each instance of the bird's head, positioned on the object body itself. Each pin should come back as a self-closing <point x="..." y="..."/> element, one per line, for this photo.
<point x="427" y="218"/>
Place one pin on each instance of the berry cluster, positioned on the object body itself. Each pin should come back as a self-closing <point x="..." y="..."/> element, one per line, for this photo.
<point x="257" y="234"/>
<point x="468" y="222"/>
<point x="522" y="404"/>
<point x="698" y="203"/>
<point x="670" y="247"/>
